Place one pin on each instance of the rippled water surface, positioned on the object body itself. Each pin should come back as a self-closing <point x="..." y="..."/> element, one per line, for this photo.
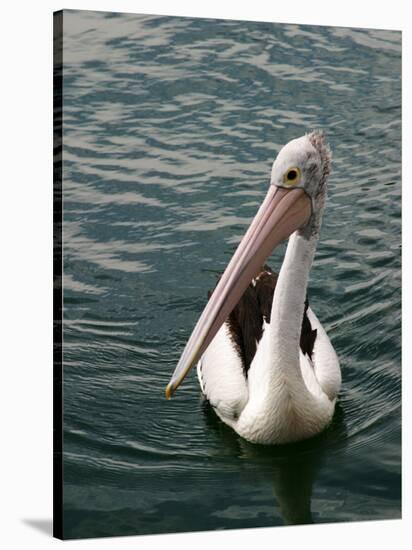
<point x="170" y="129"/>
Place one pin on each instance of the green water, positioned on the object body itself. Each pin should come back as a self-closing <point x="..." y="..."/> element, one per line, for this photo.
<point x="170" y="129"/>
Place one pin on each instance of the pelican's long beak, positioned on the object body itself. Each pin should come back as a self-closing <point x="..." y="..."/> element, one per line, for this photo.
<point x="281" y="213"/>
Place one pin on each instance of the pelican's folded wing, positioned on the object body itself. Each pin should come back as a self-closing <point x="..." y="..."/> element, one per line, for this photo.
<point x="222" y="377"/>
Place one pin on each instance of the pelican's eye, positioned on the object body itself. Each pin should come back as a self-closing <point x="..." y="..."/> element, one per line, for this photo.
<point x="292" y="176"/>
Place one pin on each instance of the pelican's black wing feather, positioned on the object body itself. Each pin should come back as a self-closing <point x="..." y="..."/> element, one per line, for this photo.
<point x="246" y="320"/>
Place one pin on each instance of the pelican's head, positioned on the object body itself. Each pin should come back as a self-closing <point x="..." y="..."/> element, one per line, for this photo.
<point x="294" y="202"/>
<point x="304" y="163"/>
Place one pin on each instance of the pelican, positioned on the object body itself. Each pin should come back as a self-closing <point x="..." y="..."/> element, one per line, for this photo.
<point x="264" y="361"/>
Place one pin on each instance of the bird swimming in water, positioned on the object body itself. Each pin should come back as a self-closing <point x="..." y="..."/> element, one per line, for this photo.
<point x="264" y="361"/>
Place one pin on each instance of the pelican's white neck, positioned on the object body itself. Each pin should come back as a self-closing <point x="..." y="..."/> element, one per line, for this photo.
<point x="289" y="303"/>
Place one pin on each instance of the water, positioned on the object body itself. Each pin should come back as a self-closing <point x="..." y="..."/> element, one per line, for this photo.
<point x="170" y="129"/>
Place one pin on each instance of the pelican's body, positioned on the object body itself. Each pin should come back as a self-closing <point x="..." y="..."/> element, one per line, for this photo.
<point x="257" y="374"/>
<point x="276" y="398"/>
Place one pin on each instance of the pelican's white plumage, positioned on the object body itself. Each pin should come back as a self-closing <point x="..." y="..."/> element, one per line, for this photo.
<point x="286" y="394"/>
<point x="268" y="405"/>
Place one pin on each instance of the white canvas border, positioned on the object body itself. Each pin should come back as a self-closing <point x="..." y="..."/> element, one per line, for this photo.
<point x="26" y="275"/>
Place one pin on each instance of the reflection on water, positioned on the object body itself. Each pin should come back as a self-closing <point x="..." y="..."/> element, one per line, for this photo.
<point x="170" y="129"/>
<point x="291" y="469"/>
